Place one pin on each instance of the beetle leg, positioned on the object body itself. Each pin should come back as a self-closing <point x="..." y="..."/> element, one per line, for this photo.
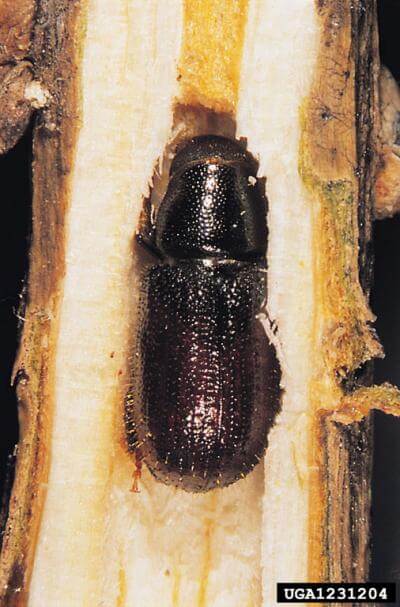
<point x="137" y="473"/>
<point x="148" y="244"/>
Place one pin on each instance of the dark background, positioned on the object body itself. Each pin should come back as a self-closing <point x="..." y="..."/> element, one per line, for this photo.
<point x="15" y="225"/>
<point x="386" y="305"/>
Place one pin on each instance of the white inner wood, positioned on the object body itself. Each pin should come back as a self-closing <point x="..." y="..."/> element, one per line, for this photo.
<point x="279" y="59"/>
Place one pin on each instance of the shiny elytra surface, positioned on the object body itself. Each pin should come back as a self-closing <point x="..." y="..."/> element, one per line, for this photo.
<point x="206" y="378"/>
<point x="205" y="383"/>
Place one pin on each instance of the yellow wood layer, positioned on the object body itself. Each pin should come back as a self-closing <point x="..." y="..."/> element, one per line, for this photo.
<point x="211" y="54"/>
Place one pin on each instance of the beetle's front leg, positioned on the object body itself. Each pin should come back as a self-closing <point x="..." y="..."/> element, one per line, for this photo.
<point x="147" y="242"/>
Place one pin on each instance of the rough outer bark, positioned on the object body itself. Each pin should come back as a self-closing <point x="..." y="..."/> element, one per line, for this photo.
<point x="340" y="123"/>
<point x="54" y="57"/>
<point x="349" y="449"/>
<point x="16" y="70"/>
<point x="348" y="464"/>
<point x="387" y="188"/>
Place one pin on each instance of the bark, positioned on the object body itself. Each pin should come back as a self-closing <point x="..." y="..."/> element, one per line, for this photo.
<point x="16" y="70"/>
<point x="118" y="91"/>
<point x="350" y="106"/>
<point x="387" y="188"/>
<point x="49" y="38"/>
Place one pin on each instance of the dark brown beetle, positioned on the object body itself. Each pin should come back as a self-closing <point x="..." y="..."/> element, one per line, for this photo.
<point x="205" y="378"/>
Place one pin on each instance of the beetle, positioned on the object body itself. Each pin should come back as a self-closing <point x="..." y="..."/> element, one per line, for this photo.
<point x="205" y="385"/>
